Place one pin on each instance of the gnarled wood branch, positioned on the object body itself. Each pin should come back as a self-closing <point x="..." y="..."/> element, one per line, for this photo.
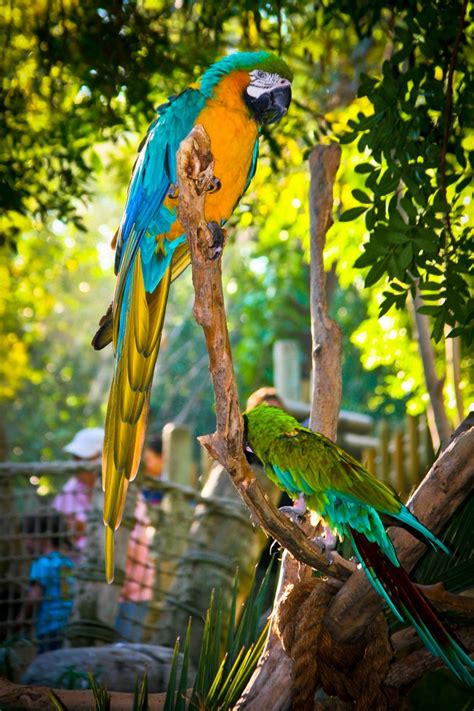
<point x="195" y="167"/>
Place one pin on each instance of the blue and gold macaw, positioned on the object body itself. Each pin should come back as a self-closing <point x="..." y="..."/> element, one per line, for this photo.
<point x="353" y="504"/>
<point x="233" y="99"/>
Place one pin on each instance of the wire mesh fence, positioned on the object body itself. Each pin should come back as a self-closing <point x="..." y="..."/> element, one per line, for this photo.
<point x="47" y="547"/>
<point x="51" y="555"/>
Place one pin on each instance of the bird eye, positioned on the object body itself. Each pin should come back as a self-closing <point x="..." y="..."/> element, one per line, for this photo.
<point x="260" y="74"/>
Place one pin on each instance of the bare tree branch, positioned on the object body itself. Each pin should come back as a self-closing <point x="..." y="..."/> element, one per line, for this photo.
<point x="269" y="686"/>
<point x="195" y="166"/>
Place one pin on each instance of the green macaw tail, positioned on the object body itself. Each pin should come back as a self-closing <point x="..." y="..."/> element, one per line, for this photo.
<point x="408" y="520"/>
<point x="408" y="603"/>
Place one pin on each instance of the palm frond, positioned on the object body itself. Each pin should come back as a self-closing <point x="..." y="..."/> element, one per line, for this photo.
<point x="56" y="702"/>
<point x="180" y="703"/>
<point x="170" y="699"/>
<point x="456" y="571"/>
<point x="101" y="696"/>
<point x="140" y="697"/>
<point x="223" y="669"/>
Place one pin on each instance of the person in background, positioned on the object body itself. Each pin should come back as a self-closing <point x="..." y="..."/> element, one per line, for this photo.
<point x="265" y="394"/>
<point x="153" y="462"/>
<point x="49" y="598"/>
<point x="137" y="590"/>
<point x="74" y="501"/>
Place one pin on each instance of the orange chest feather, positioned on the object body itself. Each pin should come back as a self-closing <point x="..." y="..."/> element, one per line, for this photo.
<point x="233" y="135"/>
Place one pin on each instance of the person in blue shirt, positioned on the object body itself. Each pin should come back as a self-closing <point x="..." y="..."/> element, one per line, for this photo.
<point x="50" y="594"/>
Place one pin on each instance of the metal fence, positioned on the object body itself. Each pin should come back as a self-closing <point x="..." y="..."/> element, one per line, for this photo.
<point x="49" y="557"/>
<point x="52" y="583"/>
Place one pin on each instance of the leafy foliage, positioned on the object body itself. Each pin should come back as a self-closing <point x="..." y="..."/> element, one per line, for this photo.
<point x="73" y="111"/>
<point x="455" y="571"/>
<point x="102" y="698"/>
<point x="222" y="673"/>
<point x="420" y="165"/>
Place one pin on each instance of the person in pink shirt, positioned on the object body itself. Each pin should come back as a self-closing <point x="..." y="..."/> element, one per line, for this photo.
<point x="74" y="501"/>
<point x="137" y="590"/>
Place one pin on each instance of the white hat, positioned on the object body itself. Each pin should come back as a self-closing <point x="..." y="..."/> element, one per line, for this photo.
<point x="86" y="443"/>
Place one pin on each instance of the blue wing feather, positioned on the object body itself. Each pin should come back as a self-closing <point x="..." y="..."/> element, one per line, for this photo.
<point x="145" y="215"/>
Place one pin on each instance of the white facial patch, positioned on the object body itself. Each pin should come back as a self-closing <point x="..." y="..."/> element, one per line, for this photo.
<point x="262" y="82"/>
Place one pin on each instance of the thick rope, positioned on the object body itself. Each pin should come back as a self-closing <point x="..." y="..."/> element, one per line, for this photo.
<point x="353" y="673"/>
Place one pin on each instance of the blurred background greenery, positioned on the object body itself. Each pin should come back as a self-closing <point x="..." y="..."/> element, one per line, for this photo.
<point x="80" y="83"/>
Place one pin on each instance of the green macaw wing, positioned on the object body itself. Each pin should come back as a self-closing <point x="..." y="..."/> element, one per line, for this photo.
<point x="309" y="462"/>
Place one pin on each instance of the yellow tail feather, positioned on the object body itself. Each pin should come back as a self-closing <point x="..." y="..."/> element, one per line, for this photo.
<point x="127" y="410"/>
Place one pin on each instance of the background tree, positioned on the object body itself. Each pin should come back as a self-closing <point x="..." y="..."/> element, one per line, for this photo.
<point x="80" y="83"/>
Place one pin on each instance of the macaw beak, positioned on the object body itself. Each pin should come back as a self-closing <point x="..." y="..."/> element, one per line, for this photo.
<point x="270" y="106"/>
<point x="281" y="100"/>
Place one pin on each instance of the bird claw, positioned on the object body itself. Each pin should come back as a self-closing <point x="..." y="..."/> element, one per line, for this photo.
<point x="297" y="511"/>
<point x="173" y="191"/>
<point x="326" y="544"/>
<point x="218" y="240"/>
<point x="215" y="185"/>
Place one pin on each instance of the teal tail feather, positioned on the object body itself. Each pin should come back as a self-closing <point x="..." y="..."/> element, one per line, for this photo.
<point x="408" y="603"/>
<point x="410" y="521"/>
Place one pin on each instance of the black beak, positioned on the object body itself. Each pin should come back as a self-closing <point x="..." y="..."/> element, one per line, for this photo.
<point x="250" y="455"/>
<point x="271" y="106"/>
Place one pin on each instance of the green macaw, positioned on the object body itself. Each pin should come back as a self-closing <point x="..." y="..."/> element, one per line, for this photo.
<point x="355" y="504"/>
<point x="232" y="100"/>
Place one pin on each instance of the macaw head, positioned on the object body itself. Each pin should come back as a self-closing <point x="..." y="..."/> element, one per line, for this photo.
<point x="266" y="90"/>
<point x="262" y="426"/>
<point x="268" y="94"/>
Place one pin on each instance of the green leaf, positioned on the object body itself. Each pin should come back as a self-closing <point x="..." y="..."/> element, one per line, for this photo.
<point x="438" y="327"/>
<point x="365" y="260"/>
<point x="361" y="196"/>
<point x="352" y="214"/>
<point x="347" y="137"/>
<point x="429" y="310"/>
<point x="405" y="256"/>
<point x="375" y="273"/>
<point x="364" y="168"/>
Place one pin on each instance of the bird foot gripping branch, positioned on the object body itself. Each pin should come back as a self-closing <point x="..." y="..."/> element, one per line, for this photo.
<point x="216" y="247"/>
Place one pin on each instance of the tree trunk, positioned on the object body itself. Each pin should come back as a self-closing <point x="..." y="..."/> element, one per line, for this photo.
<point x="269" y="686"/>
<point x="434" y="385"/>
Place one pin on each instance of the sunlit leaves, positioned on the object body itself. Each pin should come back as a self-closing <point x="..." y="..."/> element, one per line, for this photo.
<point x="415" y="197"/>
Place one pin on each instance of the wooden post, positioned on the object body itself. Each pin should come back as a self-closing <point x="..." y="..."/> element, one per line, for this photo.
<point x="287" y="369"/>
<point x="384" y="453"/>
<point x="414" y="449"/>
<point x="177" y="509"/>
<point x="176" y="512"/>
<point x="177" y="454"/>
<point x="368" y="459"/>
<point x="399" y="464"/>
